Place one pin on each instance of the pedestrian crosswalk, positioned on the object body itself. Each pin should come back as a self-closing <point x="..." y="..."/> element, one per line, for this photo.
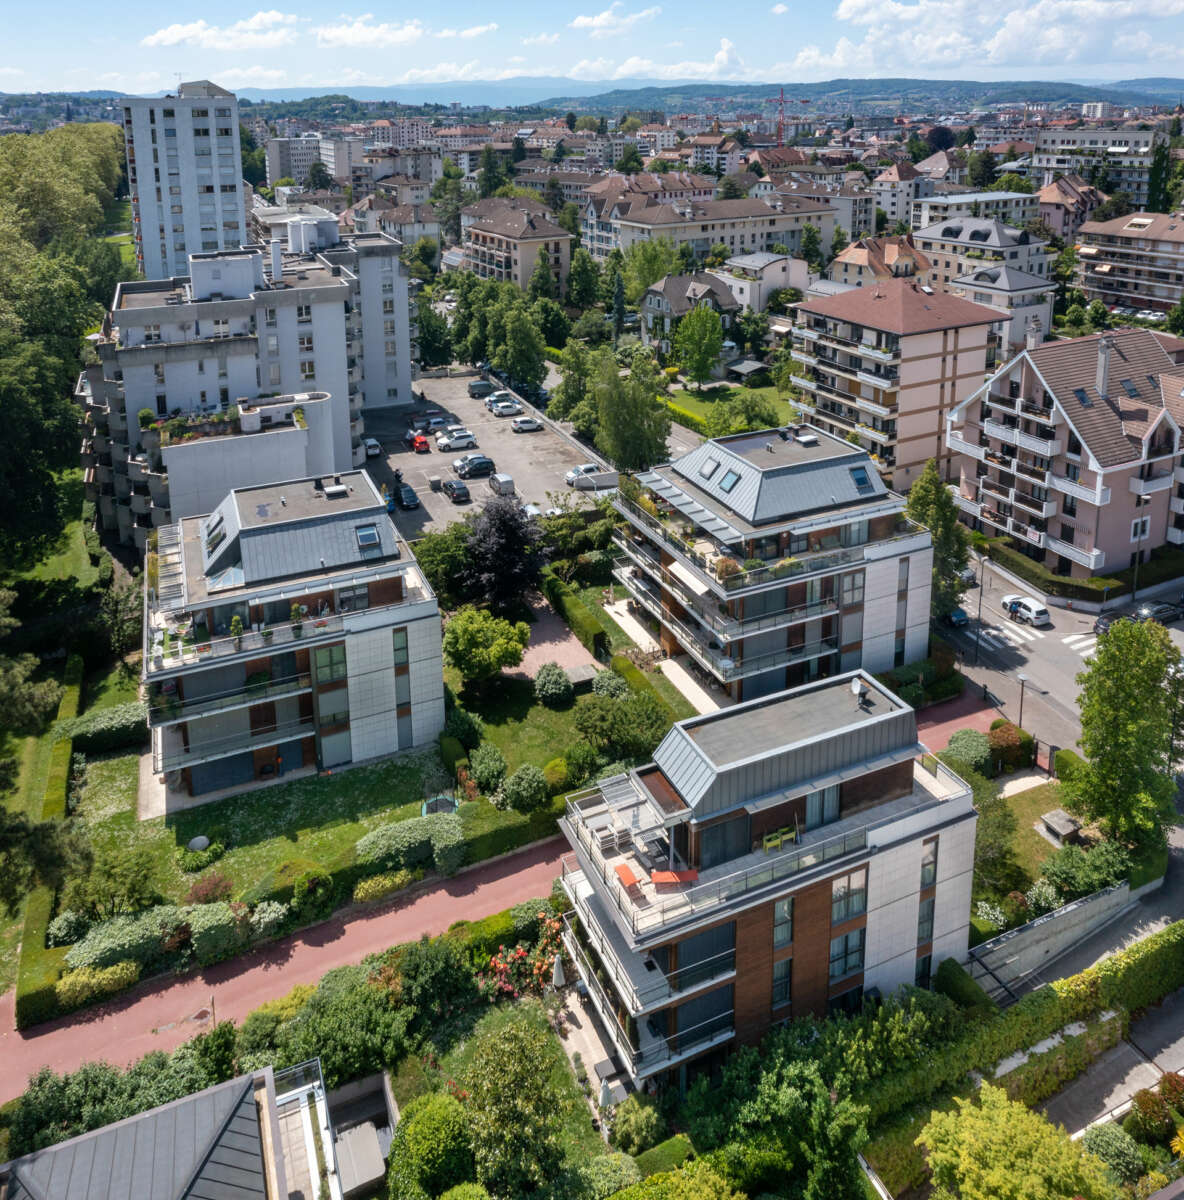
<point x="1013" y="635"/>
<point x="1082" y="643"/>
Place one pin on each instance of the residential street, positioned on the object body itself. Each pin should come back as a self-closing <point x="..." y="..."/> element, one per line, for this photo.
<point x="166" y="1011"/>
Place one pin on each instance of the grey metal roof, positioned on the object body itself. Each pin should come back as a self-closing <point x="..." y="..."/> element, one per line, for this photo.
<point x="202" y="1147"/>
<point x="1004" y="278"/>
<point x="315" y="545"/>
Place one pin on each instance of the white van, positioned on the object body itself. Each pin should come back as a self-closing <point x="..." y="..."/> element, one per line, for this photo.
<point x="501" y="485"/>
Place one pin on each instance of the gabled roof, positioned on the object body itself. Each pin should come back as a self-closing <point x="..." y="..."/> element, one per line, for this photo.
<point x="521" y="226"/>
<point x="900" y="172"/>
<point x="1001" y="277"/>
<point x="883" y="255"/>
<point x="901" y="306"/>
<point x="1156" y="227"/>
<point x="684" y="292"/>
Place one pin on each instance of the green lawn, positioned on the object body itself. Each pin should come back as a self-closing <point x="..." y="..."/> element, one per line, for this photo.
<point x="111" y="687"/>
<point x="66" y="560"/>
<point x="700" y="403"/>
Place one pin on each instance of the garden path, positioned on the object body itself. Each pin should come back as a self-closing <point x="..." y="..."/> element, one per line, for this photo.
<point x="551" y="641"/>
<point x="162" y="1013"/>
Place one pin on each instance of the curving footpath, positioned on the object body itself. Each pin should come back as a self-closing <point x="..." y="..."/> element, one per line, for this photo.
<point x="164" y="1012"/>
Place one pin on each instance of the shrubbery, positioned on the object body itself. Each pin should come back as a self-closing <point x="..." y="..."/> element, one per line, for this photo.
<point x="466" y="727"/>
<point x="581" y="762"/>
<point x="197" y="860"/>
<point x="430" y="1151"/>
<point x="951" y="979"/>
<point x="488" y="767"/>
<point x="526" y="790"/>
<point x="637" y="1124"/>
<point x="378" y="887"/>
<point x="973" y="748"/>
<point x="66" y="928"/>
<point x="606" y="1174"/>
<point x="610" y="684"/>
<point x="452" y="753"/>
<point x="552" y="687"/>
<point x="437" y="838"/>
<point x="555" y="774"/>
<point x="217" y="931"/>
<point x="268" y="918"/>
<point x="1012" y="748"/>
<point x="208" y="888"/>
<point x="1075" y="872"/>
<point x="1117" y="1149"/>
<point x="145" y="938"/>
<point x="88" y="984"/>
<point x="105" y="729"/>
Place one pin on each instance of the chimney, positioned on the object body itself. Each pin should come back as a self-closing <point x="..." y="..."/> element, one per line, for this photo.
<point x="1105" y="345"/>
<point x="277" y="262"/>
<point x="1033" y="333"/>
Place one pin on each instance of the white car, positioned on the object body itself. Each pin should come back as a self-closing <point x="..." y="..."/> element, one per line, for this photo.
<point x="507" y="408"/>
<point x="526" y="425"/>
<point x="576" y="472"/>
<point x="457" y="463"/>
<point x="497" y="397"/>
<point x="373" y="447"/>
<point x="1028" y="610"/>
<point x="462" y="439"/>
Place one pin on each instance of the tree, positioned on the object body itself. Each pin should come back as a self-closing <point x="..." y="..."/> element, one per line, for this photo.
<point x="645" y="263"/>
<point x="523" y="355"/>
<point x="881" y="220"/>
<point x="602" y="127"/>
<point x="517" y="149"/>
<point x="31" y="853"/>
<point x="730" y="188"/>
<point x="630" y="161"/>
<point x="541" y="284"/>
<point x="999" y="1149"/>
<point x="695" y="1181"/>
<point x="119" y="879"/>
<point x="1009" y="181"/>
<point x="939" y="137"/>
<point x="618" y="304"/>
<point x="698" y="342"/>
<point x="442" y="556"/>
<point x="568" y="218"/>
<point x="448" y="199"/>
<point x="583" y="280"/>
<point x="479" y="645"/>
<point x="1126" y="703"/>
<point x="430" y="1151"/>
<point x="504" y="554"/>
<point x="811" y="247"/>
<point x="1158" y="175"/>
<point x="26" y="702"/>
<point x="629" y="124"/>
<point x="1098" y="315"/>
<point x="751" y="329"/>
<point x="490" y="175"/>
<point x="981" y="169"/>
<point x="633" y="423"/>
<point x="930" y="504"/>
<point x="553" y="194"/>
<point x="1117" y="205"/>
<point x="435" y="341"/>
<point x="1175" y="319"/>
<point x="121" y="614"/>
<point x="917" y="148"/>
<point x="900" y="228"/>
<point x="575" y="378"/>
<point x="552" y="322"/>
<point x="839" y="241"/>
<point x="588" y="124"/>
<point x="570" y="121"/>
<point x="318" y="178"/>
<point x="515" y="1108"/>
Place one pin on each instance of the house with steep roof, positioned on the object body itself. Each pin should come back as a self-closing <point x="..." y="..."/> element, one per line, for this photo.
<point x="872" y="259"/>
<point x="665" y="303"/>
<point x="1067" y="203"/>
<point x="505" y="242"/>
<point x="881" y="364"/>
<point x="1070" y="450"/>
<point x="946" y="166"/>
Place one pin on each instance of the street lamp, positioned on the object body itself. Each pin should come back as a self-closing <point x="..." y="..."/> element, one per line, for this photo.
<point x="1023" y="683"/>
<point x="982" y="587"/>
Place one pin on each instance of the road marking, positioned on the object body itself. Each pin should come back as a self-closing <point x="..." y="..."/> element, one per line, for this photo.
<point x="1017" y="633"/>
<point x="1079" y="640"/>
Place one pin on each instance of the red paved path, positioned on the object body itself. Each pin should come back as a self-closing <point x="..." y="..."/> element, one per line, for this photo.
<point x="970" y="711"/>
<point x="159" y="1014"/>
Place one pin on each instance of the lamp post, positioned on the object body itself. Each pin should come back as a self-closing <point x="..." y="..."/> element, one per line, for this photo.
<point x="982" y="587"/>
<point x="1023" y="683"/>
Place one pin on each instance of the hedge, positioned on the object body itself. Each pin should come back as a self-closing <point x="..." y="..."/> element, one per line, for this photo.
<point x="588" y="630"/>
<point x="687" y="418"/>
<point x="216" y="931"/>
<point x="666" y="1156"/>
<point x="413" y="843"/>
<point x="53" y="804"/>
<point x="482" y="938"/>
<point x="451" y="752"/>
<point x="88" y="984"/>
<point x="123" y="727"/>
<point x="951" y="979"/>
<point x="137" y="937"/>
<point x="1044" y="1075"/>
<point x="1095" y="588"/>
<point x="635" y="677"/>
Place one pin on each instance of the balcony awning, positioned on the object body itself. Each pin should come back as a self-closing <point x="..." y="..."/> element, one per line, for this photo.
<point x="1088" y="251"/>
<point x="678" y="499"/>
<point x="687" y="576"/>
<point x="1102" y="269"/>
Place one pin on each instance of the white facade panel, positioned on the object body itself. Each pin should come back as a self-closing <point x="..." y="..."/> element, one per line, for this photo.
<point x="369" y="660"/>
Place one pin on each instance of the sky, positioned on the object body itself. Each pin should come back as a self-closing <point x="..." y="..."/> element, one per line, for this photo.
<point x="143" y="48"/>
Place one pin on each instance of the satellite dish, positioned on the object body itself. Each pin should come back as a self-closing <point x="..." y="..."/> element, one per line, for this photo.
<point x="859" y="691"/>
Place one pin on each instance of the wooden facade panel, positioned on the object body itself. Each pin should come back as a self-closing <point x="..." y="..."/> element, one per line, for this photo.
<point x="386" y="591"/>
<point x="811" y="945"/>
<point x="876" y="787"/>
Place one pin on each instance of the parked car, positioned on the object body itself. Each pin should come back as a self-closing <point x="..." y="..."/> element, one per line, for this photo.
<point x="507" y="408"/>
<point x="476" y="466"/>
<point x="433" y="425"/>
<point x="373" y="447"/>
<point x="967" y="577"/>
<point x="1161" y="611"/>
<point x="479" y="388"/>
<point x="501" y="484"/>
<point x="957" y="619"/>
<point x="461" y="440"/>
<point x="583" y="469"/>
<point x="456" y="491"/>
<point x="497" y="398"/>
<point x="406" y="497"/>
<point x="458" y="463"/>
<point x="1027" y="610"/>
<point x="1107" y="620"/>
<point x="417" y="441"/>
<point x="526" y="425"/>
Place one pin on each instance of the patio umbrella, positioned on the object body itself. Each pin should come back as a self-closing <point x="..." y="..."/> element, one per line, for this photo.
<point x="557" y="979"/>
<point x="606" y="1096"/>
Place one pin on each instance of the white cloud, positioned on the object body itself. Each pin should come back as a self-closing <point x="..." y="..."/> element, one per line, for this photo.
<point x="478" y="30"/>
<point x="779" y="10"/>
<point x="541" y="39"/>
<point x="264" y="30"/>
<point x="724" y="64"/>
<point x="6" y="71"/>
<point x="362" y="33"/>
<point x="251" y="76"/>
<point x="613" y="20"/>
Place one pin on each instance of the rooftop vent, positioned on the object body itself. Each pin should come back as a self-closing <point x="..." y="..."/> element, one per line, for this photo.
<point x="335" y="491"/>
<point x="806" y="439"/>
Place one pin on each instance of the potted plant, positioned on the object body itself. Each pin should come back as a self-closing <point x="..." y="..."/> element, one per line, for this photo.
<point x="297" y="619"/>
<point x="236" y="631"/>
<point x="268" y="634"/>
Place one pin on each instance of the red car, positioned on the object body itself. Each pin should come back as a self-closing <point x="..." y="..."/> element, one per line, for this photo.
<point x="420" y="444"/>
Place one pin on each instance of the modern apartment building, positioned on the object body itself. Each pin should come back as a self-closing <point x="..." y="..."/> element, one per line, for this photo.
<point x="1011" y="208"/>
<point x="290" y="158"/>
<point x="755" y="278"/>
<point x="1115" y="160"/>
<point x="1020" y="298"/>
<point x="612" y="195"/>
<point x="715" y="152"/>
<point x="338" y="659"/>
<point x="1137" y="260"/>
<point x="247" y="369"/>
<point x="1071" y="449"/>
<point x="885" y="362"/>
<point x="184" y="172"/>
<point x="854" y="205"/>
<point x="781" y="858"/>
<point x="776" y="557"/>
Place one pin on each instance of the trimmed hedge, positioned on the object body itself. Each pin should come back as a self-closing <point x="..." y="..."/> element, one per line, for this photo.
<point x="588" y="630"/>
<point x="123" y="727"/>
<point x="139" y="937"/>
<point x="1045" y="581"/>
<point x="451" y="752"/>
<point x="1045" y="1074"/>
<point x="686" y="418"/>
<point x="378" y="887"/>
<point x="636" y="679"/>
<point x="88" y="984"/>
<point x="951" y="979"/>
<point x="413" y="843"/>
<point x="1065" y="762"/>
<point x="666" y="1156"/>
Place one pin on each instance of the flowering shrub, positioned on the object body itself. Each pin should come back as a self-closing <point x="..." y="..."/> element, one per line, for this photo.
<point x="522" y="969"/>
<point x="207" y="889"/>
<point x="268" y="917"/>
<point x="990" y="913"/>
<point x="1042" y="897"/>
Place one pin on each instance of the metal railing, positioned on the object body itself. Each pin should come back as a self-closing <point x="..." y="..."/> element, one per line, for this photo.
<point x="162" y="710"/>
<point x="166" y="758"/>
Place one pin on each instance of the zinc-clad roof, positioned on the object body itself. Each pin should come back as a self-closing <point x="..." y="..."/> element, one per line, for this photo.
<point x="201" y="1147"/>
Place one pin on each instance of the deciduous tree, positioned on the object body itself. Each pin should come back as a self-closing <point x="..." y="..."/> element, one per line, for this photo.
<point x="583" y="280"/>
<point x="633" y="423"/>
<point x="522" y="356"/>
<point x="504" y="554"/>
<point x="435" y="340"/>
<point x="479" y="645"/>
<point x="930" y="504"/>
<point x="541" y="284"/>
<point x="698" y="341"/>
<point x="811" y="248"/>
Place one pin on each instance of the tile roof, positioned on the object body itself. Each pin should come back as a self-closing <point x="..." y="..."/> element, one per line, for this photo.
<point x="901" y="306"/>
<point x="711" y="210"/>
<point x="1159" y="227"/>
<point x="900" y="172"/>
<point x="684" y="292"/>
<point x="520" y="226"/>
<point x="881" y="255"/>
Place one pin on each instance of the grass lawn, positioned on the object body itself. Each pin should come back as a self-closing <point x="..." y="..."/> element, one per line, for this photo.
<point x="66" y="560"/>
<point x="113" y="686"/>
<point x="700" y="403"/>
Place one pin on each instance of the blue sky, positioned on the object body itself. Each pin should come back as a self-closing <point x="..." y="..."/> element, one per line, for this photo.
<point x="141" y="47"/>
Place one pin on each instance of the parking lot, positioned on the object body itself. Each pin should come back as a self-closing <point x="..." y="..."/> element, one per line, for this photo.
<point x="536" y="461"/>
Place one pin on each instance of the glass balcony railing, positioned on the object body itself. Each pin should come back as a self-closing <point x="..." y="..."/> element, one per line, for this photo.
<point x="165" y="710"/>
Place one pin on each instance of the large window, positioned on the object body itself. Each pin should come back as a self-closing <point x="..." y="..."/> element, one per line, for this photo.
<point x="929" y="863"/>
<point x="848" y="897"/>
<point x="783" y="922"/>
<point x="353" y="599"/>
<point x="925" y="922"/>
<point x="399" y="638"/>
<point x="782" y="982"/>
<point x="723" y="842"/>
<point x="334" y="707"/>
<point x="402" y="689"/>
<point x="846" y="954"/>
<point x="329" y="663"/>
<point x="852" y="589"/>
<point x="923" y="971"/>
<point x="822" y="807"/>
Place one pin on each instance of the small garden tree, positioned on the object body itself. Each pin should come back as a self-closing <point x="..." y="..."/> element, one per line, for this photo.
<point x="479" y="645"/>
<point x="930" y="504"/>
<point x="504" y="554"/>
<point x="698" y="341"/>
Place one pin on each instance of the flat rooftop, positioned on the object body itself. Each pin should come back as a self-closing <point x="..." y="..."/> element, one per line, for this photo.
<point x="299" y="272"/>
<point x="764" y="726"/>
<point x="767" y="448"/>
<point x="302" y="499"/>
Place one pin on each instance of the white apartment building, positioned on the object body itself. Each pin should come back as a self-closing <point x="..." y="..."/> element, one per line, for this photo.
<point x="1123" y="156"/>
<point x="896" y="188"/>
<point x="185" y="174"/>
<point x="243" y="370"/>
<point x="1012" y="208"/>
<point x="290" y="158"/>
<point x="341" y="154"/>
<point x="410" y="131"/>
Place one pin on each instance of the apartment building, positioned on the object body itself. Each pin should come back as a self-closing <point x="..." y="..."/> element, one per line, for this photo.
<point x="875" y="259"/>
<point x="405" y="222"/>
<point x="854" y="205"/>
<point x="773" y="558"/>
<point x="1135" y="260"/>
<point x="573" y="185"/>
<point x="753" y="279"/>
<point x="1116" y="160"/>
<point x="1067" y="203"/>
<point x="1011" y="208"/>
<point x="610" y="195"/>
<point x="896" y="188"/>
<point x="715" y="152"/>
<point x="407" y="131"/>
<point x="241" y="371"/>
<point x="184" y="173"/>
<point x="506" y="245"/>
<point x="1072" y="449"/>
<point x="960" y="245"/>
<point x="743" y="226"/>
<point x="1021" y="299"/>
<point x="666" y="302"/>
<point x="778" y="859"/>
<point x="885" y="363"/>
<point x="341" y="154"/>
<point x="946" y="166"/>
<point x="290" y="158"/>
<point x="338" y="659"/>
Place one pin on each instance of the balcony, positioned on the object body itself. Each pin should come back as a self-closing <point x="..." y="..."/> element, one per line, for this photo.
<point x="1045" y="447"/>
<point x="141" y="502"/>
<point x="1027" y="533"/>
<point x="999" y="431"/>
<point x="608" y="824"/>
<point x="1148" y="487"/>
<point x="877" y="381"/>
<point x="968" y="506"/>
<point x="1000" y="490"/>
<point x="1041" y="508"/>
<point x="169" y="752"/>
<point x="801" y="356"/>
<point x="1070" y="487"/>
<point x="1176" y="504"/>
<point x="1029" y="471"/>
<point x="805" y="385"/>
<point x="960" y="445"/>
<point x="1093" y="559"/>
<point x="167" y="710"/>
<point x="878" y="410"/>
<point x="1175" y="536"/>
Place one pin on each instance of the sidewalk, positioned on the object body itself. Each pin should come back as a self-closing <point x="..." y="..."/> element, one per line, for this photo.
<point x="164" y="1012"/>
